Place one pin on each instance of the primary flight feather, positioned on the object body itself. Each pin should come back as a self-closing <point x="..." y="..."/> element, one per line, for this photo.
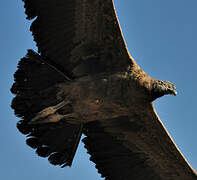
<point x="82" y="80"/>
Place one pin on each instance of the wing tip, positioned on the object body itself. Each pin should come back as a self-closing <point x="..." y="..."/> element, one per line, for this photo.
<point x="30" y="10"/>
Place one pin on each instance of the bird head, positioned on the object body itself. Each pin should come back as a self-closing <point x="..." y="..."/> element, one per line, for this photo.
<point x="161" y="88"/>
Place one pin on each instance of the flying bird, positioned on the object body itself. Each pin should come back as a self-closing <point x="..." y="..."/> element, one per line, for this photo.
<point x="83" y="80"/>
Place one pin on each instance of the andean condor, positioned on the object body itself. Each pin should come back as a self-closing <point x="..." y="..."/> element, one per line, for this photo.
<point x="83" y="80"/>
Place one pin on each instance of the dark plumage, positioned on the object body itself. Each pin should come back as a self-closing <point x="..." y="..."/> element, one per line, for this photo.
<point x="82" y="80"/>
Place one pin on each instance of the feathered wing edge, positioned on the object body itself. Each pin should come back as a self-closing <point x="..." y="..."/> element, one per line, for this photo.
<point x="187" y="166"/>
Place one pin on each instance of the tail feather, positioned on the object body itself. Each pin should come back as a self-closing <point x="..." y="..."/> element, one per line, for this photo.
<point x="45" y="116"/>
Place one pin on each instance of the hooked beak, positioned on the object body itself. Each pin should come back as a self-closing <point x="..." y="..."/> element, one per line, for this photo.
<point x="174" y="92"/>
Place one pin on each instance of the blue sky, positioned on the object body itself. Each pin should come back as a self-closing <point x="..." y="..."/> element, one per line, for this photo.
<point x="161" y="36"/>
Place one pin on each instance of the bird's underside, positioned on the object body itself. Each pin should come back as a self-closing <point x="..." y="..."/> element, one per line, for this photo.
<point x="83" y="81"/>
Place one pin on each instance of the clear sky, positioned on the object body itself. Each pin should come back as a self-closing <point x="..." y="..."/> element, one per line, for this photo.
<point x="161" y="36"/>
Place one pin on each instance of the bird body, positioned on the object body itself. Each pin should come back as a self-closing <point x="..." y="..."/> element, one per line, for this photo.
<point x="84" y="81"/>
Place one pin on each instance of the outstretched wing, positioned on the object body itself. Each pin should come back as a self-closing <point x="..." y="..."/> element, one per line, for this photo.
<point x="77" y="36"/>
<point x="135" y="147"/>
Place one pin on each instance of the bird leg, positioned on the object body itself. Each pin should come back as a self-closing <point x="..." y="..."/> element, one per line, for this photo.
<point x="49" y="114"/>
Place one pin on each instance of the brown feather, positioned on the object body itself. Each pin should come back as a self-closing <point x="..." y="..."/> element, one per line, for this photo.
<point x="84" y="81"/>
